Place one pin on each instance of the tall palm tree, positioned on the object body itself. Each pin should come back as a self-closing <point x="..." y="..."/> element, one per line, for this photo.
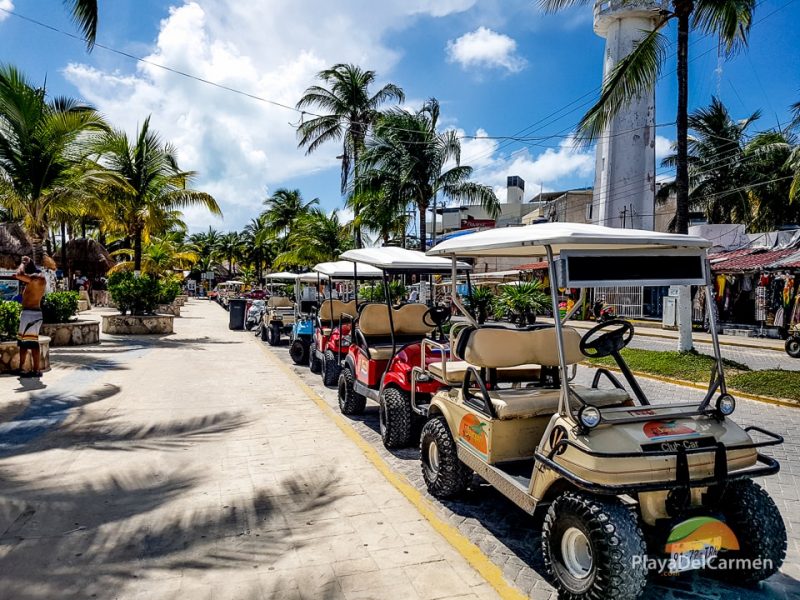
<point x="42" y="145"/>
<point x="770" y="157"/>
<point x="257" y="238"/>
<point x="284" y="207"/>
<point x="84" y="13"/>
<point x="411" y="161"/>
<point x="229" y="248"/>
<point x="718" y="170"/>
<point x="349" y="110"/>
<point x="316" y="237"/>
<point x="156" y="186"/>
<point x="380" y="211"/>
<point x="727" y="20"/>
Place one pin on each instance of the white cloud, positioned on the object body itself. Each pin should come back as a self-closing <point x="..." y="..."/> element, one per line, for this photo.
<point x="663" y="147"/>
<point x="484" y="48"/>
<point x="5" y="5"/>
<point x="241" y="146"/>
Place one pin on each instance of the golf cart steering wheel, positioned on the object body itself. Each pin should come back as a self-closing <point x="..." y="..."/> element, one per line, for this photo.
<point x="608" y="343"/>
<point x="436" y="316"/>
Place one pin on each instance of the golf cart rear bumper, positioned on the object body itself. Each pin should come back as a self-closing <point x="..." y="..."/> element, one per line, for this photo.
<point x="765" y="465"/>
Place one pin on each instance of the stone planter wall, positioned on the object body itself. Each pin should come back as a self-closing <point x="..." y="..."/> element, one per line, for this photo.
<point x="181" y="300"/>
<point x="83" y="305"/>
<point x="74" y="333"/>
<point x="138" y="325"/>
<point x="173" y="309"/>
<point x="9" y="355"/>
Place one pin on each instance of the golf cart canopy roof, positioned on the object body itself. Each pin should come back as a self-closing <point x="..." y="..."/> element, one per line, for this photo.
<point x="531" y="240"/>
<point x="285" y="276"/>
<point x="400" y="260"/>
<point x="343" y="269"/>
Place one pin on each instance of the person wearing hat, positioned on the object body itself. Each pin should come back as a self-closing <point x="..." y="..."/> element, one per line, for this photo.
<point x="30" y="321"/>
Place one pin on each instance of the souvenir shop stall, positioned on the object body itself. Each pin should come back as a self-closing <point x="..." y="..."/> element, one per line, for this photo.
<point x="755" y="289"/>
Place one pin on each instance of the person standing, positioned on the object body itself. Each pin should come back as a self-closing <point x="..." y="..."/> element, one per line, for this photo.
<point x="30" y="321"/>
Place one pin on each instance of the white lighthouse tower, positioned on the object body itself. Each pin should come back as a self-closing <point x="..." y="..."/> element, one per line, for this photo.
<point x="624" y="187"/>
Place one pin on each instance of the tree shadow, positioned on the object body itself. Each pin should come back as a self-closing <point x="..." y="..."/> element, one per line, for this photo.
<point x="94" y="540"/>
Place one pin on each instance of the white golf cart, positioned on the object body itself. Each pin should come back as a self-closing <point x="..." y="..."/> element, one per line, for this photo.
<point x="632" y="483"/>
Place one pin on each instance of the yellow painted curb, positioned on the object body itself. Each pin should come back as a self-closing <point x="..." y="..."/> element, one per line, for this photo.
<point x="697" y="386"/>
<point x="471" y="553"/>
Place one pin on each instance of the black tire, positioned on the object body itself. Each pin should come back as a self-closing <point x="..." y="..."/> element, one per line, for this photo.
<point x="396" y="418"/>
<point x="793" y="347"/>
<point x="298" y="352"/>
<point x="330" y="368"/>
<point x="613" y="537"/>
<point x="274" y="335"/>
<point x="757" y="523"/>
<point x="264" y="333"/>
<point x="314" y="363"/>
<point x="350" y="403"/>
<point x="450" y="476"/>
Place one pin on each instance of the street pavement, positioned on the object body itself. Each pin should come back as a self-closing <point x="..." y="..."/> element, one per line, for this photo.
<point x="194" y="466"/>
<point x="511" y="540"/>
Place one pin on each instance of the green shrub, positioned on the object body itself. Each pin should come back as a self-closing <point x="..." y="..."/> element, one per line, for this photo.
<point x="9" y="319"/>
<point x="170" y="289"/>
<point x="137" y="295"/>
<point x="374" y="293"/>
<point x="60" y="307"/>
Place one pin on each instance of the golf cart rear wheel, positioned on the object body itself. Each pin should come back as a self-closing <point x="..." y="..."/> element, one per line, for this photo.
<point x="755" y="520"/>
<point x="330" y="368"/>
<point x="793" y="347"/>
<point x="444" y="474"/>
<point x="314" y="363"/>
<point x="264" y="333"/>
<point x="274" y="335"/>
<point x="350" y="403"/>
<point x="396" y="417"/>
<point x="299" y="352"/>
<point x="590" y="549"/>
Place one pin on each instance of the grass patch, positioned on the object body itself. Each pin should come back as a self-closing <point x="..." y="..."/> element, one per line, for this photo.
<point x="773" y="382"/>
<point x="691" y="366"/>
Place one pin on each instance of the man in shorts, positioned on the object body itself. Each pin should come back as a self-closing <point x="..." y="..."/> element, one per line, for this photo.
<point x="30" y="320"/>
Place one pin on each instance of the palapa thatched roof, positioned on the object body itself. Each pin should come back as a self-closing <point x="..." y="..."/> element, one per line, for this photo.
<point x="88" y="256"/>
<point x="14" y="244"/>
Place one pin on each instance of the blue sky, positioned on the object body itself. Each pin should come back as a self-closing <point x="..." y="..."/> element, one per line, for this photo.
<point x="497" y="66"/>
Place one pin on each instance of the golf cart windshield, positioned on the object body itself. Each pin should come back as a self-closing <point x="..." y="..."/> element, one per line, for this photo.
<point x="589" y="256"/>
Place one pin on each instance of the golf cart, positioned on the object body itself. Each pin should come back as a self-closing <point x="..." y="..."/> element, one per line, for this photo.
<point x="278" y="318"/>
<point x="632" y="483"/>
<point x="387" y="344"/>
<point x="306" y="301"/>
<point x="335" y="318"/>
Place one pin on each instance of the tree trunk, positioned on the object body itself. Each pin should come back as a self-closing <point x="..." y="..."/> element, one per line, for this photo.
<point x="37" y="244"/>
<point x="356" y="226"/>
<point x="64" y="266"/>
<point x="423" y="227"/>
<point x="83" y="228"/>
<point x="137" y="249"/>
<point x="683" y="10"/>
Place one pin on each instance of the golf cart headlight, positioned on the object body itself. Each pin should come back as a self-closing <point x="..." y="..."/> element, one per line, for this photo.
<point x="726" y="404"/>
<point x="589" y="416"/>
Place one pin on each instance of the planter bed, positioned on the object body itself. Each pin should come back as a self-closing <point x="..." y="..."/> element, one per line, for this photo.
<point x="173" y="309"/>
<point x="73" y="333"/>
<point x="9" y="355"/>
<point x="138" y="325"/>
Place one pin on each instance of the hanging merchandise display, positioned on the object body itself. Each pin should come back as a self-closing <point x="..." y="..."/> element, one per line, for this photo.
<point x="761" y="304"/>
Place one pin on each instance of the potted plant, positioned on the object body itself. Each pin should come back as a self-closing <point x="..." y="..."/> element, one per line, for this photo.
<point x="481" y="302"/>
<point x="524" y="301"/>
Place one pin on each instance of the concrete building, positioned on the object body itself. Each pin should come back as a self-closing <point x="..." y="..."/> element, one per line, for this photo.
<point x="625" y="182"/>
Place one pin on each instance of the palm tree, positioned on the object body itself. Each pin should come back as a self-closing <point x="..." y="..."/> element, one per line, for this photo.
<point x="718" y="170"/>
<point x="84" y="13"/>
<point x="284" y="207"/>
<point x="412" y="162"/>
<point x="349" y="112"/>
<point x="229" y="248"/>
<point x="42" y="145"/>
<point x="257" y="237"/>
<point x="727" y="20"/>
<point x="380" y="212"/>
<point x="157" y="187"/>
<point x="315" y="237"/>
<point x="770" y="167"/>
<point x="160" y="257"/>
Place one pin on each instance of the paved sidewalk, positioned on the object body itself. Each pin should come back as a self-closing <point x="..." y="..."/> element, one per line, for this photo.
<point x="194" y="466"/>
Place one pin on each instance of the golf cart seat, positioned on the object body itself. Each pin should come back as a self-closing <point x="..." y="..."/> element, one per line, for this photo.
<point x="454" y="371"/>
<point x="376" y="328"/>
<point x="332" y="310"/>
<point x="279" y="302"/>
<point x="506" y="348"/>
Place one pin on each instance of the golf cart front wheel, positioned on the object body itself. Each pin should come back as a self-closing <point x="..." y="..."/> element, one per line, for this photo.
<point x="274" y="335"/>
<point x="350" y="403"/>
<point x="396" y="417"/>
<point x="593" y="549"/>
<point x="444" y="474"/>
<point x="758" y="526"/>
<point x="793" y="347"/>
<point x="314" y="363"/>
<point x="330" y="368"/>
<point x="299" y="352"/>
